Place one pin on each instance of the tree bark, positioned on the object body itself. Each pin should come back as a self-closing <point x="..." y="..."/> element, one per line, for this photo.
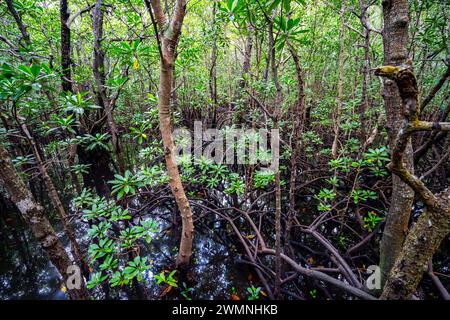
<point x="53" y="195"/>
<point x="19" y="22"/>
<point x="167" y="37"/>
<point x="247" y="55"/>
<point x="66" y="76"/>
<point x="40" y="226"/>
<point x="420" y="245"/>
<point x="433" y="225"/>
<point x="395" y="40"/>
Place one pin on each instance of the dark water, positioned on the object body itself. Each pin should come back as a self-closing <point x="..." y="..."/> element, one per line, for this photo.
<point x="26" y="273"/>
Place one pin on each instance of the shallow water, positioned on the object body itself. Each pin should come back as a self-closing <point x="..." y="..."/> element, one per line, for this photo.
<point x="26" y="273"/>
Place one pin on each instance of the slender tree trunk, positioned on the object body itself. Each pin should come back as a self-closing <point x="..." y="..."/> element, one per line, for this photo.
<point x="19" y="22"/>
<point x="337" y="119"/>
<point x="299" y="114"/>
<point x="213" y="69"/>
<point x="364" y="104"/>
<point x="54" y="197"/>
<point x="99" y="75"/>
<point x="247" y="55"/>
<point x="395" y="40"/>
<point x="66" y="76"/>
<point x="66" y="79"/>
<point x="167" y="37"/>
<point x="40" y="226"/>
<point x="277" y="114"/>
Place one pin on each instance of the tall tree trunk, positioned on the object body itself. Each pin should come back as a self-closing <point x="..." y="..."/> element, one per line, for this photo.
<point x="66" y="76"/>
<point x="213" y="69"/>
<point x="19" y="22"/>
<point x="337" y="116"/>
<point x="276" y="118"/>
<point x="167" y="36"/>
<point x="66" y="79"/>
<point x="395" y="40"/>
<point x="98" y="67"/>
<point x="247" y="55"/>
<point x="298" y="114"/>
<point x="40" y="226"/>
<point x="364" y="104"/>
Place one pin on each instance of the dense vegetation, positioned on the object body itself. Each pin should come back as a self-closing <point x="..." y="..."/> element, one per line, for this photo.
<point x="91" y="90"/>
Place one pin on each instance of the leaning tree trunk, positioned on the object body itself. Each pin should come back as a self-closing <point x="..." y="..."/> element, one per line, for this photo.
<point x="54" y="196"/>
<point x="39" y="224"/>
<point x="395" y="39"/>
<point x="167" y="36"/>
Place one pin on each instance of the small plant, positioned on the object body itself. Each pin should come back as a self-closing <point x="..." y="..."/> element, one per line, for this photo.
<point x="96" y="280"/>
<point x="371" y="220"/>
<point x="64" y="123"/>
<point x="20" y="161"/>
<point x="109" y="263"/>
<point x="325" y="196"/>
<point x="185" y="290"/>
<point x="97" y="141"/>
<point x="135" y="268"/>
<point x="84" y="198"/>
<point x="139" y="133"/>
<point x="161" y="278"/>
<point x="254" y="293"/>
<point x="124" y="185"/>
<point x="342" y="241"/>
<point x="263" y="178"/>
<point x="80" y="168"/>
<point x="236" y="186"/>
<point x="334" y="181"/>
<point x="363" y="195"/>
<point x="103" y="248"/>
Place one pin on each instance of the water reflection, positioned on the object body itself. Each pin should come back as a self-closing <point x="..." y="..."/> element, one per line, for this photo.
<point x="26" y="273"/>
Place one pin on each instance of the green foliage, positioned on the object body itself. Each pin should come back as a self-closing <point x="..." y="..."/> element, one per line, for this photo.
<point x="169" y="279"/>
<point x="96" y="279"/>
<point x="254" y="292"/>
<point x="185" y="291"/>
<point x="263" y="178"/>
<point x="237" y="186"/>
<point x="113" y="235"/>
<point x="126" y="184"/>
<point x="359" y="195"/>
<point x="80" y="168"/>
<point x="103" y="248"/>
<point x="77" y="104"/>
<point x="135" y="268"/>
<point x="371" y="220"/>
<point x="139" y="133"/>
<point x="97" y="141"/>
<point x="325" y="196"/>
